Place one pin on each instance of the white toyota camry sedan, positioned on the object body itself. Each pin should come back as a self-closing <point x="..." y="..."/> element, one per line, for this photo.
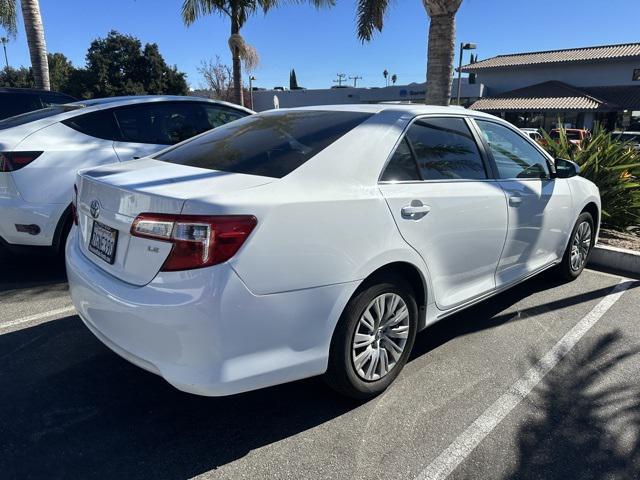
<point x="317" y="241"/>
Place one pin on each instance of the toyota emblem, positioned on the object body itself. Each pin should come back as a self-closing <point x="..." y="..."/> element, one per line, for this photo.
<point x="95" y="209"/>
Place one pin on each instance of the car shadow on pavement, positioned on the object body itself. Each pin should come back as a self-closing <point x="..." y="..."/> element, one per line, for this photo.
<point x="492" y="311"/>
<point x="585" y="420"/>
<point x="32" y="268"/>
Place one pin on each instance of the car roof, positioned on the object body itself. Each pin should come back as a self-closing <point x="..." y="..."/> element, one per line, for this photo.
<point x="112" y="102"/>
<point x="413" y="109"/>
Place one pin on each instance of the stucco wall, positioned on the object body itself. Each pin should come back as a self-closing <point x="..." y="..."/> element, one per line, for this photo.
<point x="579" y="75"/>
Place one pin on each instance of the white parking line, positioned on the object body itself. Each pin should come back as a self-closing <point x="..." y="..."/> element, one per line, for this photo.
<point x="51" y="315"/>
<point x="468" y="440"/>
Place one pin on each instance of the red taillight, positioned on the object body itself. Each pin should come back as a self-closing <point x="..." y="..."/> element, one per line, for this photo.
<point x="12" y="161"/>
<point x="198" y="241"/>
<point x="74" y="205"/>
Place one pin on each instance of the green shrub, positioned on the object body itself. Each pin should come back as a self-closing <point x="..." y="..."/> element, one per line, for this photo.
<point x="613" y="165"/>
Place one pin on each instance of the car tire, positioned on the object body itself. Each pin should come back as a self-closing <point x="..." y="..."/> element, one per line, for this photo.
<point x="343" y="374"/>
<point x="571" y="267"/>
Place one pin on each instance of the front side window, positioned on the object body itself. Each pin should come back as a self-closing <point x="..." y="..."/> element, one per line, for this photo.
<point x="513" y="155"/>
<point x="269" y="144"/>
<point x="445" y="149"/>
<point x="217" y="116"/>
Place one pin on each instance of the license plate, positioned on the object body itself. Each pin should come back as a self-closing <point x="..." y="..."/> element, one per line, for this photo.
<point x="103" y="242"/>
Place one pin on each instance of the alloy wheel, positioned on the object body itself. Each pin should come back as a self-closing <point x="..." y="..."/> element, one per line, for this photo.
<point x="380" y="336"/>
<point x="580" y="246"/>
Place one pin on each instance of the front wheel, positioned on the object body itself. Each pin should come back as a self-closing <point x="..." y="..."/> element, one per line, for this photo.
<point x="373" y="338"/>
<point x="580" y="244"/>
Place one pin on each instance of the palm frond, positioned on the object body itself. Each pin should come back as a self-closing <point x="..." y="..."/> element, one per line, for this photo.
<point x="370" y="17"/>
<point x="8" y="16"/>
<point x="194" y="9"/>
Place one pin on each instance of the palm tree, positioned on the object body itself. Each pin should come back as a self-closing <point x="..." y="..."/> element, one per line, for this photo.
<point x="35" y="35"/>
<point x="441" y="50"/>
<point x="238" y="12"/>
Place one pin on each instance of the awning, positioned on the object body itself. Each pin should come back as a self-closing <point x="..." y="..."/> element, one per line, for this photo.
<point x="553" y="95"/>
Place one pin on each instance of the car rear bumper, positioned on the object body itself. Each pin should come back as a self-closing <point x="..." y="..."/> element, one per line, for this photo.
<point x="203" y="330"/>
<point x="15" y="211"/>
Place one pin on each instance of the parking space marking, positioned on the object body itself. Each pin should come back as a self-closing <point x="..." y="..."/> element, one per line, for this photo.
<point x="470" y="438"/>
<point x="50" y="315"/>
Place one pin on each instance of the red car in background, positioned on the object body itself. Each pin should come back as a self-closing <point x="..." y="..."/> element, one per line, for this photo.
<point x="574" y="135"/>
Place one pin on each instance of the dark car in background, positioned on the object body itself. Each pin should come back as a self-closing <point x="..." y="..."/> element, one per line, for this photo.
<point x="14" y="101"/>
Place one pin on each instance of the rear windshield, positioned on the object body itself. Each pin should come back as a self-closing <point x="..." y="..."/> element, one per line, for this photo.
<point x="271" y="144"/>
<point x="36" y="115"/>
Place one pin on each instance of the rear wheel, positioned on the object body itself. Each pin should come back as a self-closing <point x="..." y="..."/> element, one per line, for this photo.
<point x="373" y="338"/>
<point x="580" y="244"/>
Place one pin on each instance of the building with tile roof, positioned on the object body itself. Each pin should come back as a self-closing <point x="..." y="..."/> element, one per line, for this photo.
<point x="578" y="86"/>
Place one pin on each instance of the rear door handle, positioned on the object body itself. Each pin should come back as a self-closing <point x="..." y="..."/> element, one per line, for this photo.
<point x="415" y="211"/>
<point x="515" y="200"/>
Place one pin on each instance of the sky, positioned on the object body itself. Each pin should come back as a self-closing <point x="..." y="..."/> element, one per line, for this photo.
<point x="322" y="43"/>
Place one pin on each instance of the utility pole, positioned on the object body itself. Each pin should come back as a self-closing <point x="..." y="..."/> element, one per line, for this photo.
<point x="342" y="77"/>
<point x="4" y="41"/>
<point x="355" y="80"/>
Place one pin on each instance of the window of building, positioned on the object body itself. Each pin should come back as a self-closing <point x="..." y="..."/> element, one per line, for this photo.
<point x="636" y="75"/>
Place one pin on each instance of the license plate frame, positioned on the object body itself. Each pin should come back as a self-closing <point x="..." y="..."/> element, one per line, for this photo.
<point x="103" y="242"/>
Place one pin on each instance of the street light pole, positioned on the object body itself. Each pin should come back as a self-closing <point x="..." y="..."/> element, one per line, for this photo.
<point x="251" y="79"/>
<point x="463" y="47"/>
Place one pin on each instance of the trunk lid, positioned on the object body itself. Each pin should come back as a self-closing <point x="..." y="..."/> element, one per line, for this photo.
<point x="113" y="196"/>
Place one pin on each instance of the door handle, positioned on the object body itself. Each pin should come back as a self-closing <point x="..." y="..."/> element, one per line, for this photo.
<point x="415" y="211"/>
<point x="515" y="200"/>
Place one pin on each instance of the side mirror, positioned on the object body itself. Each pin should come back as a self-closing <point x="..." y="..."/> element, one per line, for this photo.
<point x="566" y="168"/>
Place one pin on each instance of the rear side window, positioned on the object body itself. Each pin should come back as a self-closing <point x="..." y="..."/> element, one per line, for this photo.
<point x="270" y="144"/>
<point x="445" y="149"/>
<point x="402" y="166"/>
<point x="100" y="124"/>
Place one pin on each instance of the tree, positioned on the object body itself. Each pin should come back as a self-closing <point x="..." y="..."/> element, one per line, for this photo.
<point x="238" y="12"/>
<point x="35" y="35"/>
<point x="119" y="65"/>
<point x="218" y="79"/>
<point x="293" y="81"/>
<point x="60" y="69"/>
<point x="394" y="79"/>
<point x="16" y="77"/>
<point x="441" y="50"/>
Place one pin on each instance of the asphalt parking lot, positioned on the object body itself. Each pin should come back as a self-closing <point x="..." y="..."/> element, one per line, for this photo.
<point x="539" y="382"/>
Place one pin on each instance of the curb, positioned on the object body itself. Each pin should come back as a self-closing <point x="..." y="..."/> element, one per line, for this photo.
<point x="613" y="258"/>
